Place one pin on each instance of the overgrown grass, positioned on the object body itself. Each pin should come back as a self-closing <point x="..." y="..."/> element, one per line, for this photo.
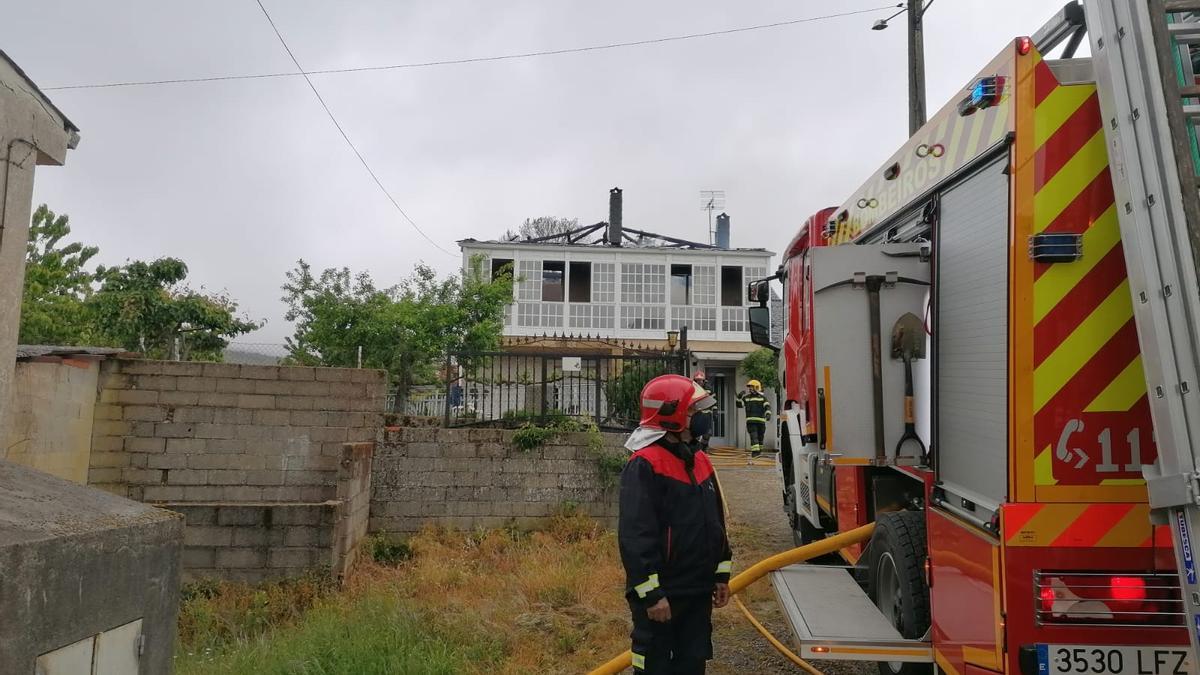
<point x="500" y="601"/>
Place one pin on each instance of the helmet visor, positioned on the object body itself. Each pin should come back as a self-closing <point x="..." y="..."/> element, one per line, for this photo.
<point x="701" y="400"/>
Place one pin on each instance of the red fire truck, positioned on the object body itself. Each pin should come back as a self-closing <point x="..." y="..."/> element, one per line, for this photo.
<point x="961" y="366"/>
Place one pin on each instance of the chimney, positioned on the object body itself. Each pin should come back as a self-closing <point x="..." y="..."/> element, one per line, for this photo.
<point x="723" y="231"/>
<point x="614" y="217"/>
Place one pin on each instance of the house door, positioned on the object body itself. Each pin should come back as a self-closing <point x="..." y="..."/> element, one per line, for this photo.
<point x="725" y="430"/>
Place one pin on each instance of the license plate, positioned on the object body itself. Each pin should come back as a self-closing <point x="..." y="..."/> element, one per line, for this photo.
<point x="1099" y="660"/>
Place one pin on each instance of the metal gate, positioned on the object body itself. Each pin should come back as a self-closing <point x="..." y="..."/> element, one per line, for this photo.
<point x="510" y="388"/>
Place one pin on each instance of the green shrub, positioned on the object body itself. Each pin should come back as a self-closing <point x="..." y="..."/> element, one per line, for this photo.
<point x="388" y="551"/>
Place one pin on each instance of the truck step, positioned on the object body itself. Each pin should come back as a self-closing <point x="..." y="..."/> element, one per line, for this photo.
<point x="833" y="619"/>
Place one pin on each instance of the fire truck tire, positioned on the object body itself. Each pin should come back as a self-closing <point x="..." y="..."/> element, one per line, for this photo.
<point x="896" y="582"/>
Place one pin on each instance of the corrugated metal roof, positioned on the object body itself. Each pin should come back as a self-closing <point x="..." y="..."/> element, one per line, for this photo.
<point x="34" y="351"/>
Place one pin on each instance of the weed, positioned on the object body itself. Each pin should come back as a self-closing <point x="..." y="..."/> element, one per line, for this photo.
<point x="389" y="551"/>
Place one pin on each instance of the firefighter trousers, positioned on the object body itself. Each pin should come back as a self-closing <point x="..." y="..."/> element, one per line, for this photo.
<point x="756" y="430"/>
<point x="682" y="645"/>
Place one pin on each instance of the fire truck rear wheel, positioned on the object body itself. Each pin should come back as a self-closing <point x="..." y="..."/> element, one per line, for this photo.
<point x="896" y="583"/>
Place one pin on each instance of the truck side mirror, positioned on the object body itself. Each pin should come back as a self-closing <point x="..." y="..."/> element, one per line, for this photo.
<point x="760" y="326"/>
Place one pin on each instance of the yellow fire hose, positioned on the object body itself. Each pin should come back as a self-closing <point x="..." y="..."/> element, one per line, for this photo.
<point x="760" y="570"/>
<point x="779" y="646"/>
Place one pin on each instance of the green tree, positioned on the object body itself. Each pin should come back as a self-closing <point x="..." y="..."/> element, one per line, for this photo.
<point x="763" y="365"/>
<point x="405" y="329"/>
<point x="57" y="283"/>
<point x="146" y="307"/>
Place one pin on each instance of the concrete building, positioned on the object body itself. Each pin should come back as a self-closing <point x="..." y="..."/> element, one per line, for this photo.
<point x="613" y="282"/>
<point x="32" y="132"/>
<point x="90" y="580"/>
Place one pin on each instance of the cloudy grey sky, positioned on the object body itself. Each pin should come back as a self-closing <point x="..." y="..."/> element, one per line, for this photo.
<point x="241" y="178"/>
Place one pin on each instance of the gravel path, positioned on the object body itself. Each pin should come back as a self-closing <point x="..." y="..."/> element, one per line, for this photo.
<point x="758" y="529"/>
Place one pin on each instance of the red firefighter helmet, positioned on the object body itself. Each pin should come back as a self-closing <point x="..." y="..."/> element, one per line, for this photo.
<point x="668" y="400"/>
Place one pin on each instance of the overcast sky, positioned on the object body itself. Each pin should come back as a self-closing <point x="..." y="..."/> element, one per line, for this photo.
<point x="241" y="178"/>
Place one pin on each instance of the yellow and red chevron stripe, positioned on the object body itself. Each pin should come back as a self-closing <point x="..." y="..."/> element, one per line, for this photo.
<point x="1078" y="525"/>
<point x="1091" y="424"/>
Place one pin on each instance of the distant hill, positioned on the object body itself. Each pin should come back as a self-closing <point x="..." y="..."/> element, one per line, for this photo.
<point x="254" y="354"/>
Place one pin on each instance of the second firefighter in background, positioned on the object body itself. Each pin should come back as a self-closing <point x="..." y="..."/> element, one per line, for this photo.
<point x="758" y="413"/>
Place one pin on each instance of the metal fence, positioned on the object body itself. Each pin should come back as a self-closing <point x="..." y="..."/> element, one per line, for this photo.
<point x="512" y="387"/>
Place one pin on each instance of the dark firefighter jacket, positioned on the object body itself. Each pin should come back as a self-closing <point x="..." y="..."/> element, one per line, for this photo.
<point x="671" y="529"/>
<point x="758" y="409"/>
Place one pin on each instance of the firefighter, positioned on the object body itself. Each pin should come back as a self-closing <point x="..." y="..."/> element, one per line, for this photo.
<point x="758" y="413"/>
<point x="704" y="418"/>
<point x="671" y="532"/>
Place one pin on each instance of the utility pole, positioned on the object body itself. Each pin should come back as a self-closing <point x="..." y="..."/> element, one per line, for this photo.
<point x="916" y="68"/>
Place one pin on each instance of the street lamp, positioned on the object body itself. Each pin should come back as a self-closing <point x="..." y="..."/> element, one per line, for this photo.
<point x="916" y="61"/>
<point x="672" y="339"/>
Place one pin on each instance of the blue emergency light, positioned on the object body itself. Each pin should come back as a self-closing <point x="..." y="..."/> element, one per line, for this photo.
<point x="985" y="93"/>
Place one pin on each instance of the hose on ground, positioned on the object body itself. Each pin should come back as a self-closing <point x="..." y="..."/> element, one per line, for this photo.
<point x="760" y="570"/>
<point x="779" y="646"/>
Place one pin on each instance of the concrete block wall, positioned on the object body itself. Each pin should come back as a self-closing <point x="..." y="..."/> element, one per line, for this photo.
<point x="468" y="478"/>
<point x="54" y="401"/>
<point x="353" y="512"/>
<point x="177" y="432"/>
<point x="254" y="542"/>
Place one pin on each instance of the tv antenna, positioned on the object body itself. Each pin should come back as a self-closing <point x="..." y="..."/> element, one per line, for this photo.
<point x="712" y="200"/>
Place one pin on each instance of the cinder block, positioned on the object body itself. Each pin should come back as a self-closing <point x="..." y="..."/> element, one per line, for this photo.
<point x="307" y="477"/>
<point x="265" y="477"/>
<point x="219" y="370"/>
<point x="272" y="417"/>
<point x="305" y="418"/>
<point x="174" y="430"/>
<point x="232" y="416"/>
<point x="197" y="384"/>
<point x="252" y="536"/>
<point x="106" y="411"/>
<point x="196" y="556"/>
<point x="235" y="385"/>
<point x="294" y="402"/>
<point x="138" y="460"/>
<point x="227" y="445"/>
<point x="202" y="493"/>
<point x="179" y="398"/>
<point x="144" y="413"/>
<point x="327" y="434"/>
<point x="241" y="493"/>
<point x="207" y="535"/>
<point x="347" y="389"/>
<point x="197" y="515"/>
<point x="187" y="477"/>
<point x="137" y="397"/>
<point x="260" y="372"/>
<point x="241" y="557"/>
<point x="242" y="515"/>
<point x="140" y="444"/>
<point x="166" y="461"/>
<point x="333" y="403"/>
<point x="184" y="446"/>
<point x="301" y="536"/>
<point x="143" y="429"/>
<point x="334" y="374"/>
<point x="143" y="476"/>
<point x="115" y="381"/>
<point x="142" y="367"/>
<point x="108" y="444"/>
<point x="107" y="460"/>
<point x="368" y="376"/>
<point x="291" y="558"/>
<point x="307" y="388"/>
<point x="185" y="368"/>
<point x="297" y="373"/>
<point x="162" y="493"/>
<point x="226" y="477"/>
<point x="272" y="387"/>
<point x="255" y="401"/>
<point x="155" y="382"/>
<point x="210" y="430"/>
<point x="110" y="428"/>
<point x="193" y="415"/>
<point x="218" y="400"/>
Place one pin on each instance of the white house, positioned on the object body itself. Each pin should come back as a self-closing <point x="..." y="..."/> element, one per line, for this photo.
<point x="608" y="281"/>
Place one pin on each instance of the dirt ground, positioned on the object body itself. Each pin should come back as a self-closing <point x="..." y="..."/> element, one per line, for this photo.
<point x="758" y="529"/>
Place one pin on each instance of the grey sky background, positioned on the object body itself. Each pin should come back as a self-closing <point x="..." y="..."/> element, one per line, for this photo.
<point x="242" y="178"/>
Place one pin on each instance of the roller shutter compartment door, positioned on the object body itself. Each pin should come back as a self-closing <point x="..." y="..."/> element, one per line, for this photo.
<point x="971" y="335"/>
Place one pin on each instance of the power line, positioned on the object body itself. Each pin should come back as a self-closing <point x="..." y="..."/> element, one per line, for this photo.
<point x="480" y="59"/>
<point x="343" y="132"/>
